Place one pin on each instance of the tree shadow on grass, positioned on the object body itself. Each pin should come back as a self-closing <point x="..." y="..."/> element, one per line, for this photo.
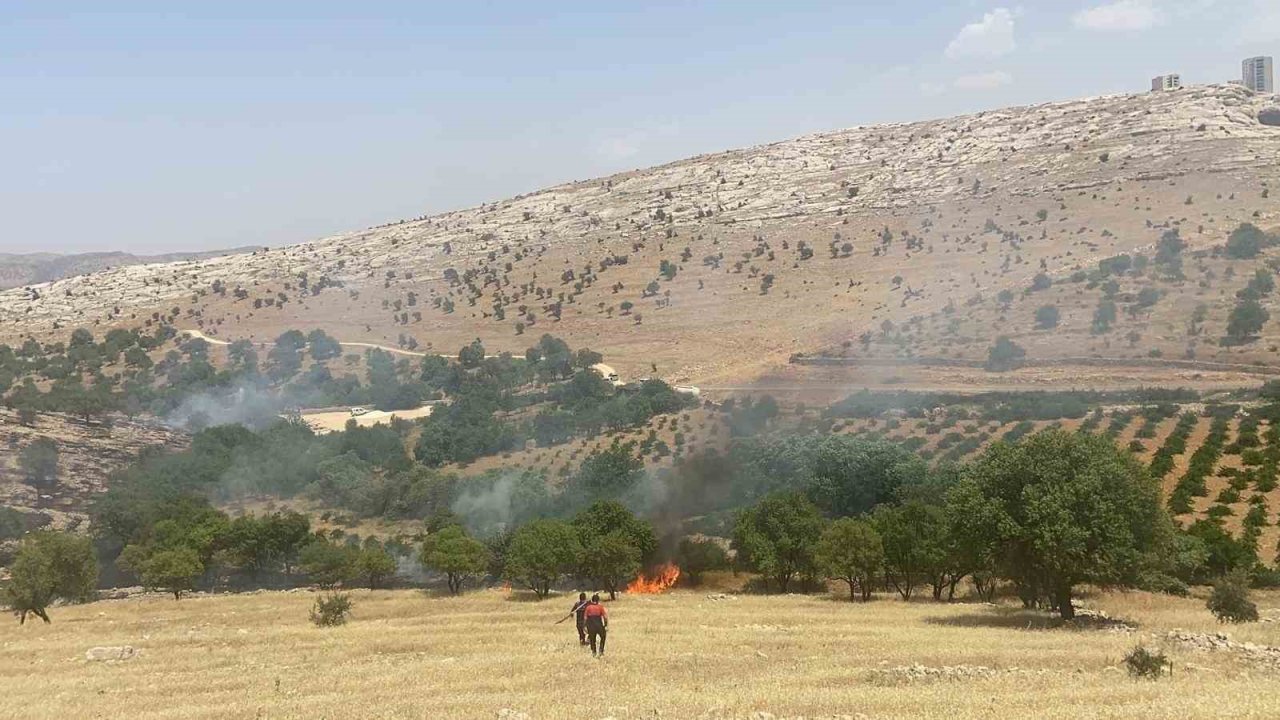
<point x="528" y="596"/>
<point x="999" y="617"/>
<point x="1024" y="619"/>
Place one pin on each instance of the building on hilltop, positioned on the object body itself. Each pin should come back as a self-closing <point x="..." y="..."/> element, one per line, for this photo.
<point x="1257" y="74"/>
<point x="1160" y="83"/>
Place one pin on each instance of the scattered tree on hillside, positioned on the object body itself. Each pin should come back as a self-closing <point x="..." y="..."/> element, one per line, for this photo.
<point x="1047" y="317"/>
<point x="39" y="463"/>
<point x="1246" y="241"/>
<point x="1104" y="316"/>
<point x="1004" y="355"/>
<point x="1168" y="257"/>
<point x="1246" y="319"/>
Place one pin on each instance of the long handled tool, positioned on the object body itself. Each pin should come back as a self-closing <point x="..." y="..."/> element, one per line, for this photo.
<point x="571" y="612"/>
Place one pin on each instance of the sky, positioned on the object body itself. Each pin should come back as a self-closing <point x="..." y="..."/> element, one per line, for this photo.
<point x="163" y="126"/>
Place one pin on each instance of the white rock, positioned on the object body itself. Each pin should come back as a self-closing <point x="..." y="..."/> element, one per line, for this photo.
<point x="110" y="653"/>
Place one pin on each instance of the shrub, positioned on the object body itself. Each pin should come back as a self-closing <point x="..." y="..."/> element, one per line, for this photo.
<point x="1147" y="664"/>
<point x="1230" y="602"/>
<point x="1004" y="355"/>
<point x="1047" y="317"/>
<point x="331" y="610"/>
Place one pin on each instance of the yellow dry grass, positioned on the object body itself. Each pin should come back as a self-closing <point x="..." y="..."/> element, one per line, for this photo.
<point x="407" y="654"/>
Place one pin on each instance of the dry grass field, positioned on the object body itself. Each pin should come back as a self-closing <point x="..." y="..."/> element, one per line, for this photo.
<point x="407" y="654"/>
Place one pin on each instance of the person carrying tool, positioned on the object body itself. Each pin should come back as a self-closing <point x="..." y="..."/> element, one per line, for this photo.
<point x="597" y="625"/>
<point x="580" y="610"/>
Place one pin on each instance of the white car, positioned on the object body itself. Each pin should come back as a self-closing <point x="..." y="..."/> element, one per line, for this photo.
<point x="356" y="411"/>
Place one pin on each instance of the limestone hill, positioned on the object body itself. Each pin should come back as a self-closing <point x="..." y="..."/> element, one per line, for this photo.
<point x="718" y="269"/>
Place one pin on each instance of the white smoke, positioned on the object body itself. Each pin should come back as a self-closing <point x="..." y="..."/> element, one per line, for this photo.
<point x="244" y="404"/>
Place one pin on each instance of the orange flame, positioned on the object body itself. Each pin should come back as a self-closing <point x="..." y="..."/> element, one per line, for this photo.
<point x="660" y="581"/>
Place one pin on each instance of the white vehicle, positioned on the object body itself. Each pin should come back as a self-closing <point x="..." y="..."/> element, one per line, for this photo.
<point x="358" y="411"/>
<point x="689" y="390"/>
<point x="607" y="373"/>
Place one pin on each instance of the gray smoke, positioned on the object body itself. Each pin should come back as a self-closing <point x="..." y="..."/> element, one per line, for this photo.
<point x="488" y="509"/>
<point x="244" y="404"/>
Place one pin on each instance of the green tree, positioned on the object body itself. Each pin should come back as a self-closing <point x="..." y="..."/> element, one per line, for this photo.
<point x="39" y="463"/>
<point x="373" y="565"/>
<point x="471" y="356"/>
<point x="541" y="553"/>
<point x="173" y="571"/>
<point x="322" y="346"/>
<point x="327" y="564"/>
<point x="1230" y="601"/>
<point x="1047" y="317"/>
<point x="610" y="560"/>
<point x="1004" y="355"/>
<point x="456" y="554"/>
<point x="1245" y="242"/>
<point x="1246" y="319"/>
<point x="287" y="533"/>
<point x="777" y="537"/>
<point x="608" y="516"/>
<point x="1104" y="316"/>
<point x="697" y="557"/>
<point x="49" y="566"/>
<point x="914" y="536"/>
<point x="850" y="550"/>
<point x="610" y="472"/>
<point x="1058" y="509"/>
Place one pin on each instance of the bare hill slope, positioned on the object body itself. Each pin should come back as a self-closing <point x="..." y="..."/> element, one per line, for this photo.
<point x="721" y="267"/>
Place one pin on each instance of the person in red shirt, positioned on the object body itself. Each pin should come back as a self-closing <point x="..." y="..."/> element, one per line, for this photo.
<point x="597" y="625"/>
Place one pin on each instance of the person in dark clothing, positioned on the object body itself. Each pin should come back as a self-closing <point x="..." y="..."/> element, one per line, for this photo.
<point x="579" y="611"/>
<point x="597" y="625"/>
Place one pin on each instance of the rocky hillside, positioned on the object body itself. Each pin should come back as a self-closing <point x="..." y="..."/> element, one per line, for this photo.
<point x="721" y="267"/>
<point x="86" y="455"/>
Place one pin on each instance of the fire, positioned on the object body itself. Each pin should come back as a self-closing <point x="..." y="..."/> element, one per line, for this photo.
<point x="659" y="581"/>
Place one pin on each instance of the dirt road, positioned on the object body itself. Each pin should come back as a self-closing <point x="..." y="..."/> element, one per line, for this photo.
<point x="372" y="346"/>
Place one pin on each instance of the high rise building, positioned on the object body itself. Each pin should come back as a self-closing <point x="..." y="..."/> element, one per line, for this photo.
<point x="1257" y="74"/>
<point x="1172" y="81"/>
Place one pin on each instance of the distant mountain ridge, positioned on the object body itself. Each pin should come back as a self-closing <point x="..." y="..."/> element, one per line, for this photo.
<point x="19" y="269"/>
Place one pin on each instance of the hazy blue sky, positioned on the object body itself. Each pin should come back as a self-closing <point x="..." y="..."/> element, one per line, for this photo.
<point x="167" y="125"/>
